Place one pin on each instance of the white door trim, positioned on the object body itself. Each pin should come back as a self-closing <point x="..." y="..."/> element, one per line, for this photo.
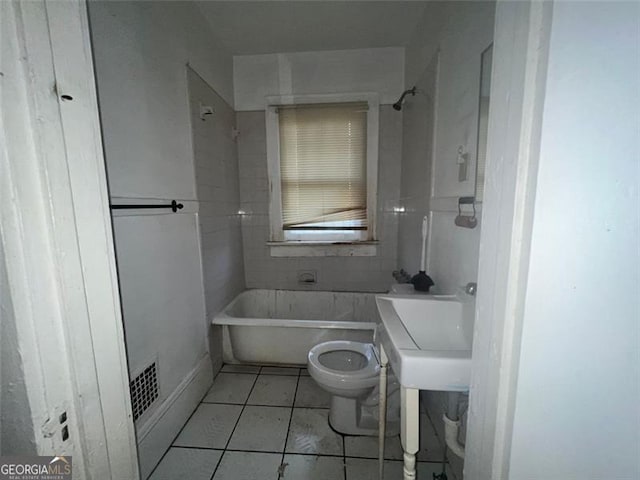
<point x="56" y="233"/>
<point x="522" y="32"/>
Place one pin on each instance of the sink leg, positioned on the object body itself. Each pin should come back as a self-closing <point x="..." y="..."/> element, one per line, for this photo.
<point x="382" y="413"/>
<point x="410" y="429"/>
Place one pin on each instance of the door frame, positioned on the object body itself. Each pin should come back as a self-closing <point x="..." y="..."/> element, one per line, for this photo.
<point x="56" y="234"/>
<point x="521" y="46"/>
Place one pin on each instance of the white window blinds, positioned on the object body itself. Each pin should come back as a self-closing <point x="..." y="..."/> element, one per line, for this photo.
<point x="323" y="151"/>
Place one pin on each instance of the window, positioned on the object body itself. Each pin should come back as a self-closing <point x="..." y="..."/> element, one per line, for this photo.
<point x="323" y="170"/>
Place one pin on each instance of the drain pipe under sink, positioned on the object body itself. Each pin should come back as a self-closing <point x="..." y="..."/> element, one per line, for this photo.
<point x="452" y="424"/>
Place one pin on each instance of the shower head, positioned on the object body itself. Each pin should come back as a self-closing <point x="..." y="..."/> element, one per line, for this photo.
<point x="398" y="104"/>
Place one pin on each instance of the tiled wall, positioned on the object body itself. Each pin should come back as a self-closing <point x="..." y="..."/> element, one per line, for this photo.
<point x="372" y="274"/>
<point x="456" y="43"/>
<point x="417" y="149"/>
<point x="218" y="193"/>
<point x="443" y="59"/>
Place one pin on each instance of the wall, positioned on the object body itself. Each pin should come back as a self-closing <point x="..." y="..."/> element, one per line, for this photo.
<point x="376" y="70"/>
<point x="443" y="61"/>
<point x="371" y="274"/>
<point x="217" y="181"/>
<point x="456" y="34"/>
<point x="17" y="429"/>
<point x="379" y="70"/>
<point x="141" y="51"/>
<point x="578" y="390"/>
<point x="417" y="148"/>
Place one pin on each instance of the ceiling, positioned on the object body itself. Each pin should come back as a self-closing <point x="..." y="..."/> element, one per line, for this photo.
<point x="255" y="27"/>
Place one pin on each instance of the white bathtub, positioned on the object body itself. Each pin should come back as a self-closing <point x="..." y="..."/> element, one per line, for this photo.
<point x="279" y="327"/>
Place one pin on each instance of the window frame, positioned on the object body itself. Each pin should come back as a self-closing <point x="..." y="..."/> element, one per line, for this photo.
<point x="277" y="233"/>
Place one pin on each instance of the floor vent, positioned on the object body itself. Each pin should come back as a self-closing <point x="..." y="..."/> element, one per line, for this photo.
<point x="144" y="390"/>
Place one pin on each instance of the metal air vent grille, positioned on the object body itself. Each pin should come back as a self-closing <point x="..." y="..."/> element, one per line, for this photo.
<point x="144" y="390"/>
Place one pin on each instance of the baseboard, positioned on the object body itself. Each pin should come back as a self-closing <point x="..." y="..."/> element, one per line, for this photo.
<point x="159" y="430"/>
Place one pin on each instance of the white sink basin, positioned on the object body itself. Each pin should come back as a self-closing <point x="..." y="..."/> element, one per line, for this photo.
<point x="428" y="339"/>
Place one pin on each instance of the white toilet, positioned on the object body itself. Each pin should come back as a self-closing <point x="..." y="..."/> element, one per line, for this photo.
<point x="349" y="371"/>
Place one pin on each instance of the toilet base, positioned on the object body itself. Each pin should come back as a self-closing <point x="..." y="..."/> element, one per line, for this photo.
<point x="349" y="417"/>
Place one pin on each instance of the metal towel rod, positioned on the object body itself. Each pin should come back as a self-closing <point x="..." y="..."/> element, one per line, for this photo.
<point x="174" y="206"/>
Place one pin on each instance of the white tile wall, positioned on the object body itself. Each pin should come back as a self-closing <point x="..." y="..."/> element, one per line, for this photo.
<point x="464" y="31"/>
<point x="218" y="192"/>
<point x="459" y="32"/>
<point x="417" y="150"/>
<point x="335" y="273"/>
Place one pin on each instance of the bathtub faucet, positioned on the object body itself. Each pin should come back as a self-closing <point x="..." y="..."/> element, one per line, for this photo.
<point x="401" y="276"/>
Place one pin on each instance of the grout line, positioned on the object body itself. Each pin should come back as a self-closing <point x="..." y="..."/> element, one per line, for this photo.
<point x="217" y="465"/>
<point x="265" y="405"/>
<point x="241" y="373"/>
<point x="330" y="455"/>
<point x="184" y="425"/>
<point x="286" y="439"/>
<point x="199" y="448"/>
<point x="240" y="450"/>
<point x="255" y="380"/>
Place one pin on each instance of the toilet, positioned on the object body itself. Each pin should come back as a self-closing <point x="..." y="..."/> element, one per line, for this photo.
<point x="349" y="371"/>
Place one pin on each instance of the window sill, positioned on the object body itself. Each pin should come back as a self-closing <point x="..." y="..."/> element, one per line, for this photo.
<point x="323" y="249"/>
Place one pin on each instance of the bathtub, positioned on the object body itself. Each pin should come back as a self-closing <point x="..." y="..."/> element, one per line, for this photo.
<point x="279" y="327"/>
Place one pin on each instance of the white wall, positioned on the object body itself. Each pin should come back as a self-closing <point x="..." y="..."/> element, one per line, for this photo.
<point x="379" y="70"/>
<point x="141" y="53"/>
<point x="577" y="407"/>
<point x="418" y="115"/>
<point x="217" y="181"/>
<point x="456" y="33"/>
<point x="141" y="49"/>
<point x="371" y="274"/>
<point x="375" y="70"/>
<point x="443" y="61"/>
<point x="17" y="432"/>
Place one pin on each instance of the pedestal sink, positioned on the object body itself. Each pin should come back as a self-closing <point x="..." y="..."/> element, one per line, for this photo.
<point x="426" y="339"/>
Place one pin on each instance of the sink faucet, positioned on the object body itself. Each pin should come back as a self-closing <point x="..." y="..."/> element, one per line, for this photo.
<point x="471" y="288"/>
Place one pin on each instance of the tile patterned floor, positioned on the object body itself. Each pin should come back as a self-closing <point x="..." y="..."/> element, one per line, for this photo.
<point x="271" y="423"/>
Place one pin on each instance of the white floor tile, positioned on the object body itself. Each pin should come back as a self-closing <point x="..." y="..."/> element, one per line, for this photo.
<point x="261" y="428"/>
<point x="191" y="463"/>
<point x="304" y="372"/>
<point x="248" y="466"/>
<point x="241" y="368"/>
<point x="210" y="426"/>
<point x="311" y="395"/>
<point x="367" y="447"/>
<point x="280" y="371"/>
<point x="274" y="390"/>
<point x="367" y="469"/>
<point x="310" y="433"/>
<point x="313" y="467"/>
<point x="230" y="388"/>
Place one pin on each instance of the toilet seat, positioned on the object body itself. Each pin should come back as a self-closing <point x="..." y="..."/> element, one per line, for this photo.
<point x="361" y="378"/>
